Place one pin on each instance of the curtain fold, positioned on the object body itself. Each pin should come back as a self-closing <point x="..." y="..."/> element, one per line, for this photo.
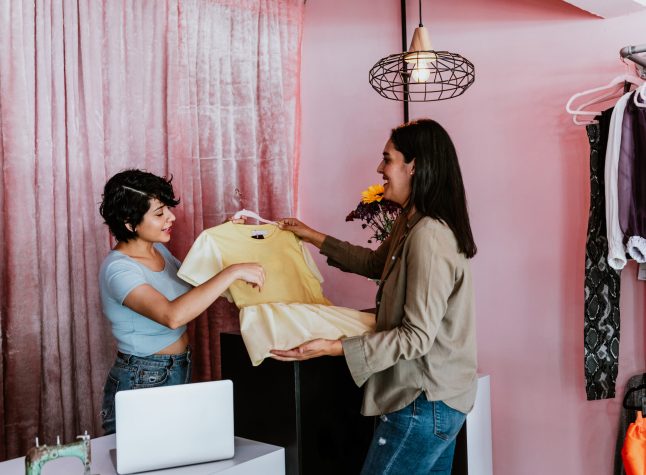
<point x="205" y="90"/>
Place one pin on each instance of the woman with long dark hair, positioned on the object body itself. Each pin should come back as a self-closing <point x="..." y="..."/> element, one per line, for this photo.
<point x="419" y="367"/>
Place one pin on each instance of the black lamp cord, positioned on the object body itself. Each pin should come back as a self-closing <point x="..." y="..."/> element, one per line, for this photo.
<point x="420" y="14"/>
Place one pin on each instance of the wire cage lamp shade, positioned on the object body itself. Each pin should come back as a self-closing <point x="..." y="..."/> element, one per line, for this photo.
<point x="446" y="76"/>
<point x="422" y="74"/>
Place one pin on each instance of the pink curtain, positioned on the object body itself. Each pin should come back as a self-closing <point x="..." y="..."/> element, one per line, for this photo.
<point x="207" y="91"/>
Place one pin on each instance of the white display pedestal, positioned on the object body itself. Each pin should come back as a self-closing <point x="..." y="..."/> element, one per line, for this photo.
<point x="251" y="458"/>
<point x="478" y="459"/>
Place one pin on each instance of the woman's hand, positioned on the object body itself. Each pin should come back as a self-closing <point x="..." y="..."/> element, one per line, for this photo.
<point x="251" y="273"/>
<point x="311" y="349"/>
<point x="303" y="231"/>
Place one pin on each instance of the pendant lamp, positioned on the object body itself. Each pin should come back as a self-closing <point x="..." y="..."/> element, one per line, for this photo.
<point x="421" y="74"/>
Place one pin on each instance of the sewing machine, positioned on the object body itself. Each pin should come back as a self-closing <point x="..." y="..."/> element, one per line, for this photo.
<point x="41" y="454"/>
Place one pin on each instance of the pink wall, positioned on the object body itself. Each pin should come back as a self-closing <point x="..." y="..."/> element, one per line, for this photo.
<point x="526" y="171"/>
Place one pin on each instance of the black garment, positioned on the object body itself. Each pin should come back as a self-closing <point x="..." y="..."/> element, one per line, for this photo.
<point x="633" y="148"/>
<point x="626" y="417"/>
<point x="601" y="309"/>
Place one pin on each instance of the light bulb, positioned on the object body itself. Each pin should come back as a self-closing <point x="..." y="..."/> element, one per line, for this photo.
<point x="421" y="72"/>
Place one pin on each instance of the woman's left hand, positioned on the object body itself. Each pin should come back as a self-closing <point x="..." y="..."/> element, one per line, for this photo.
<point x="311" y="349"/>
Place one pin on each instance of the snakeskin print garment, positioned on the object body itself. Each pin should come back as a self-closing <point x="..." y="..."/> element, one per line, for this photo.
<point x="601" y="308"/>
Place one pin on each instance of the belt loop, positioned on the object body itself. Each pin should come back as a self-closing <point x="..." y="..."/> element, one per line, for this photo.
<point x="125" y="357"/>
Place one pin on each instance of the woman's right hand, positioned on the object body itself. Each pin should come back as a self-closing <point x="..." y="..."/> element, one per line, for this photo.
<point x="302" y="230"/>
<point x="252" y="273"/>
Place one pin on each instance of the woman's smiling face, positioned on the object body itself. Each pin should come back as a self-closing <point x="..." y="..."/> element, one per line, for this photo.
<point x="397" y="175"/>
<point x="157" y="223"/>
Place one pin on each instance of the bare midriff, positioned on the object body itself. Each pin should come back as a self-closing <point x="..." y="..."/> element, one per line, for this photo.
<point x="177" y="347"/>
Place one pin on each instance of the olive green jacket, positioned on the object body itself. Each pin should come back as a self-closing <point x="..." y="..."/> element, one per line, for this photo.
<point x="425" y="335"/>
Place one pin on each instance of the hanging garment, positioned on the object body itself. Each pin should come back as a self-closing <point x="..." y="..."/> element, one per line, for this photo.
<point x="627" y="417"/>
<point x="616" y="247"/>
<point x="626" y="169"/>
<point x="281" y="253"/>
<point x="291" y="308"/>
<point x="601" y="301"/>
<point x="282" y="326"/>
<point x="633" y="453"/>
<point x="631" y="184"/>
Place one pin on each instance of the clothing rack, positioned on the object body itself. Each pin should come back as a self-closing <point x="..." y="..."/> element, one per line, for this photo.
<point x="632" y="53"/>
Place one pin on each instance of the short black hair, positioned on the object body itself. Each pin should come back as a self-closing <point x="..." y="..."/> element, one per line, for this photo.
<point x="437" y="187"/>
<point x="126" y="199"/>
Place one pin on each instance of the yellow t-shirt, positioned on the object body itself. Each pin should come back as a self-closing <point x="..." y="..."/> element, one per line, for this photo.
<point x="290" y="273"/>
<point x="291" y="308"/>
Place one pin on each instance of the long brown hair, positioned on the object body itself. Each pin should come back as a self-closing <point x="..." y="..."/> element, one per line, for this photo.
<point x="437" y="188"/>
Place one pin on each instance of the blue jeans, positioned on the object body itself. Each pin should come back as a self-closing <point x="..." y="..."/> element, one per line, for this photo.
<point x="136" y="372"/>
<point x="418" y="439"/>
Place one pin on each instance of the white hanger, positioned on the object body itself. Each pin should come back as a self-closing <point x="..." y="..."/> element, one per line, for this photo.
<point x="251" y="214"/>
<point x="639" y="98"/>
<point x="615" y="88"/>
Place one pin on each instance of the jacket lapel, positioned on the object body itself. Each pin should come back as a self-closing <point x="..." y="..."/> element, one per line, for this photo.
<point x="400" y="233"/>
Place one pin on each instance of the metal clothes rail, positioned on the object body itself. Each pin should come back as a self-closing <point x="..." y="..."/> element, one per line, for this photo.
<point x="632" y="53"/>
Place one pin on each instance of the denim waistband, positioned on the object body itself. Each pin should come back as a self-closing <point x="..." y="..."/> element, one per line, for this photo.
<point x="155" y="360"/>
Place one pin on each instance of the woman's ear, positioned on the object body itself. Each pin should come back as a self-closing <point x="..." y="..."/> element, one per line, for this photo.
<point x="129" y="227"/>
<point x="412" y="166"/>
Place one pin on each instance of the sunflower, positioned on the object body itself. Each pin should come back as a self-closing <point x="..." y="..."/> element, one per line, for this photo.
<point x="377" y="213"/>
<point x="373" y="193"/>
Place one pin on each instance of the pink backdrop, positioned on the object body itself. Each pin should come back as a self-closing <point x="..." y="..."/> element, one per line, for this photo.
<point x="206" y="91"/>
<point x="526" y="171"/>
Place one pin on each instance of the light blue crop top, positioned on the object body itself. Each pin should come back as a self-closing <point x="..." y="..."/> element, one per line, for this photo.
<point x="120" y="275"/>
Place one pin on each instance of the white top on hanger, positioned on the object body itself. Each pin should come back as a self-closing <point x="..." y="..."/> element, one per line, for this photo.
<point x="251" y="214"/>
<point x="613" y="89"/>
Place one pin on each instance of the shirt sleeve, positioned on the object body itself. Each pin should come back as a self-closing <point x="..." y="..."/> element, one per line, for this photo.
<point x="430" y="269"/>
<point x="616" y="249"/>
<point x="356" y="259"/>
<point x="122" y="277"/>
<point x="309" y="261"/>
<point x="202" y="262"/>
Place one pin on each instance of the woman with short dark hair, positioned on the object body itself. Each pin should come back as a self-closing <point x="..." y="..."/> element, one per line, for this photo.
<point x="419" y="367"/>
<point x="146" y="303"/>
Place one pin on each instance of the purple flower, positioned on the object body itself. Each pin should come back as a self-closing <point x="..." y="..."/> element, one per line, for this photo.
<point x="378" y="215"/>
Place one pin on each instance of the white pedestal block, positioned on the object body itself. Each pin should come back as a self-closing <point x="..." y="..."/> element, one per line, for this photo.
<point x="478" y="427"/>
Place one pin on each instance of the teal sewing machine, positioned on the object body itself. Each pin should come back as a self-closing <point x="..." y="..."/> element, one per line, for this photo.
<point x="41" y="454"/>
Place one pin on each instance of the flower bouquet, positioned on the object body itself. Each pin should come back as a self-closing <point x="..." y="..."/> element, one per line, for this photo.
<point x="375" y="212"/>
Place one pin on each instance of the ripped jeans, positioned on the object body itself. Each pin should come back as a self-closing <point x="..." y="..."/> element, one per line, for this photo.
<point x="137" y="372"/>
<point x="418" y="439"/>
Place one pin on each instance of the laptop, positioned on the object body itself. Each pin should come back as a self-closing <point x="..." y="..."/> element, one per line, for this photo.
<point x="171" y="426"/>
